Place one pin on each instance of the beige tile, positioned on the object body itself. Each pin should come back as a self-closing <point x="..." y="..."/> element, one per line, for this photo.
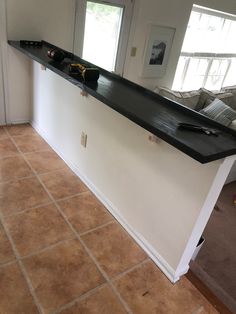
<point x="63" y="183"/>
<point x="7" y="148"/>
<point x="85" y="212"/>
<point x="21" y="194"/>
<point x="15" y="297"/>
<point x="45" y="161"/>
<point x="3" y="133"/>
<point x="20" y="129"/>
<point x="147" y="290"/>
<point x="114" y="249"/>
<point x="30" y="143"/>
<point x="103" y="301"/>
<point x="12" y="168"/>
<point x="61" y="274"/>
<point x="6" y="252"/>
<point x="37" y="228"/>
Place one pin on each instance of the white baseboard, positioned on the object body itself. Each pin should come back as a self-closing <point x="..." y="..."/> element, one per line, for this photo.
<point x="18" y="122"/>
<point x="144" y="244"/>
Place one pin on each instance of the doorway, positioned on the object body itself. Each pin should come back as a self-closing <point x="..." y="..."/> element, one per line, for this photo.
<point x="215" y="265"/>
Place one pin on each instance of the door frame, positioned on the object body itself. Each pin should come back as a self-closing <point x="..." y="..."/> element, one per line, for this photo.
<point x="4" y="62"/>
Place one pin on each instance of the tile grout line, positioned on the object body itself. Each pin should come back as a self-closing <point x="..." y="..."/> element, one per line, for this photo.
<point x="43" y="204"/>
<point x="97" y="228"/>
<point x="82" y="242"/>
<point x="7" y="263"/>
<point x="16" y="179"/>
<point x="50" y="246"/>
<point x="27" y="209"/>
<point x="72" y="196"/>
<point x="88" y="252"/>
<point x="79" y="299"/>
<point x="21" y="265"/>
<point x="109" y="281"/>
<point x="22" y="268"/>
<point x="127" y="271"/>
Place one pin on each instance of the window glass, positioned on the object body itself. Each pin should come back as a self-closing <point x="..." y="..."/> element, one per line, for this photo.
<point x="208" y="53"/>
<point x="102" y="32"/>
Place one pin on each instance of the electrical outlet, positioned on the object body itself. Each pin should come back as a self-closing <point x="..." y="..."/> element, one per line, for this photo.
<point x="83" y="139"/>
<point x="133" y="52"/>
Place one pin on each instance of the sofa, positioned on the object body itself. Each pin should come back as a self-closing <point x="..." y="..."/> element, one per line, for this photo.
<point x="202" y="100"/>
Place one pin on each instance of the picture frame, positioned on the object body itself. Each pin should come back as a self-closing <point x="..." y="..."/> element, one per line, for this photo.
<point x="157" y="51"/>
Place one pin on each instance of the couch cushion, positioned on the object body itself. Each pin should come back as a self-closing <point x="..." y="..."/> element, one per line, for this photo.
<point x="231" y="89"/>
<point x="219" y="112"/>
<point x="188" y="99"/>
<point x="206" y="97"/>
<point x="233" y="125"/>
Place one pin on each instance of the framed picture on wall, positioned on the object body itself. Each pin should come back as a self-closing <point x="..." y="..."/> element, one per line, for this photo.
<point x="157" y="50"/>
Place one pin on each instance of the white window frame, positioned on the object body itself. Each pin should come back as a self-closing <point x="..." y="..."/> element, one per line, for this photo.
<point x="209" y="56"/>
<point x="80" y="15"/>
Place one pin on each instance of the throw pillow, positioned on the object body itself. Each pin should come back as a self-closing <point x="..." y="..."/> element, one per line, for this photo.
<point x="188" y="99"/>
<point x="219" y="112"/>
<point x="206" y="97"/>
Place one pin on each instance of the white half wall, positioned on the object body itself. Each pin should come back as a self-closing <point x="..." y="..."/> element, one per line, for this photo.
<point x="156" y="191"/>
<point x="232" y="174"/>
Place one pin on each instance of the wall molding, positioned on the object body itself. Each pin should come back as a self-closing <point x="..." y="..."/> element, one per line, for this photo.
<point x="143" y="243"/>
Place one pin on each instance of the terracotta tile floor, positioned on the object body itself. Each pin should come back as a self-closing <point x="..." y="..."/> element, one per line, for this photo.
<point x="61" y="251"/>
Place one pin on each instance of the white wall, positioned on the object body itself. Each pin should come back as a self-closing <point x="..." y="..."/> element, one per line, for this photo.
<point x="143" y="181"/>
<point x="51" y="21"/>
<point x="167" y="13"/>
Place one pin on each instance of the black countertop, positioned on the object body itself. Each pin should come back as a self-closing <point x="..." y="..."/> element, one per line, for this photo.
<point x="149" y="110"/>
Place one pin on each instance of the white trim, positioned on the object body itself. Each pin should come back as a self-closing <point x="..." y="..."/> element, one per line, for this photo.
<point x="205" y="212"/>
<point x="207" y="55"/>
<point x="4" y="58"/>
<point x="18" y="122"/>
<point x="144" y="244"/>
<point x="80" y="14"/>
<point x="204" y="10"/>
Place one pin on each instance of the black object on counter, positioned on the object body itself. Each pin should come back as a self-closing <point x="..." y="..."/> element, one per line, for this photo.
<point x="32" y="43"/>
<point x="155" y="113"/>
<point x="198" y="128"/>
<point x="87" y="73"/>
<point x="56" y="54"/>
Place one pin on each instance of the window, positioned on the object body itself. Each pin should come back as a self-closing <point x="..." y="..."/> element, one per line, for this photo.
<point x="208" y="56"/>
<point x="103" y="32"/>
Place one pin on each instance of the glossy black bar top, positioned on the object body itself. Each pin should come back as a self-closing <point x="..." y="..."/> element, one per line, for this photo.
<point x="149" y="110"/>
